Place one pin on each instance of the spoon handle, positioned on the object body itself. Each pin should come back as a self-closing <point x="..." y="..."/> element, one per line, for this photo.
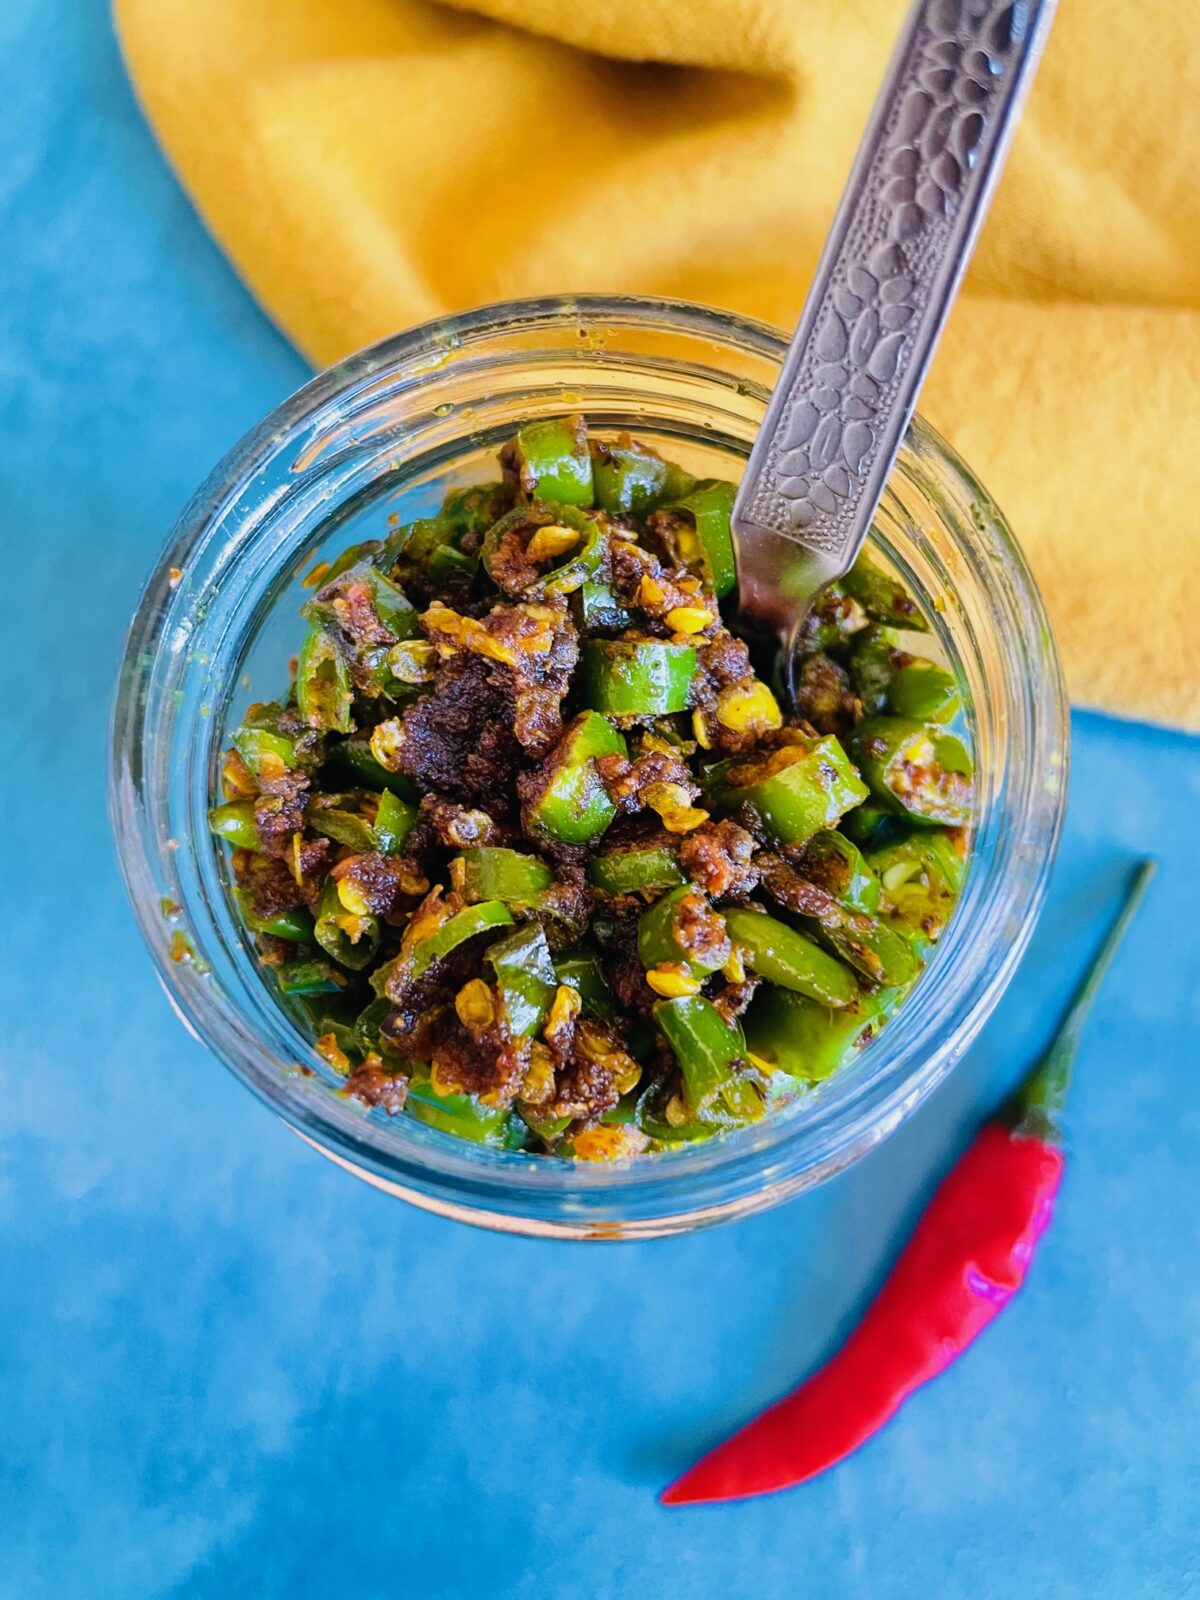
<point x="904" y="230"/>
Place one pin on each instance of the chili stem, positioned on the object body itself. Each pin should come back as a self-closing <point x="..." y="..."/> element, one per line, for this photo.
<point x="1040" y="1100"/>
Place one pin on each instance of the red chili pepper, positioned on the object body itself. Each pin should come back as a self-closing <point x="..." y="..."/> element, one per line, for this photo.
<point x="968" y="1256"/>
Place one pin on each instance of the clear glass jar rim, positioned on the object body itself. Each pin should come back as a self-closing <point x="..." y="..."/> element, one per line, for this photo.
<point x="702" y="1183"/>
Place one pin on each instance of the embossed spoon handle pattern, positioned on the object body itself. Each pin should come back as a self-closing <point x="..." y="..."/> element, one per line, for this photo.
<point x="892" y="263"/>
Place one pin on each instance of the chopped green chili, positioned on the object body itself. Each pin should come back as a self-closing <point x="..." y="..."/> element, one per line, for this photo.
<point x="525" y="978"/>
<point x="457" y="930"/>
<point x="915" y="768"/>
<point x="323" y="689"/>
<point x="785" y="957"/>
<point x="573" y="804"/>
<point x="709" y="1050"/>
<point x="631" y="479"/>
<point x="802" y="1037"/>
<point x="797" y="789"/>
<point x="585" y="975"/>
<point x="495" y="873"/>
<point x="553" y="462"/>
<point x="633" y="869"/>
<point x="883" y="597"/>
<point x="295" y="925"/>
<point x="707" y="508"/>
<point x="667" y="933"/>
<point x="459" y="1114"/>
<point x="234" y="822"/>
<point x="637" y="677"/>
<point x="350" y="939"/>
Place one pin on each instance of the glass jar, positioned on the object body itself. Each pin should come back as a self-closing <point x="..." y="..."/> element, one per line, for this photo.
<point x="384" y="434"/>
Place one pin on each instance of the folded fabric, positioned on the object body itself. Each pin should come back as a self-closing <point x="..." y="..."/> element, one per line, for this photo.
<point x="371" y="163"/>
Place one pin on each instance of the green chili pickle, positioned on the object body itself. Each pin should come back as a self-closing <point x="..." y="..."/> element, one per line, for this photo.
<point x="537" y="858"/>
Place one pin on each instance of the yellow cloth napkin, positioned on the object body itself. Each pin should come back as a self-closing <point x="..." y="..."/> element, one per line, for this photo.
<point x="370" y="163"/>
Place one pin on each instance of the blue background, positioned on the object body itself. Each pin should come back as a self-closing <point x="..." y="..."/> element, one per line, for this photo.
<point x="228" y="1369"/>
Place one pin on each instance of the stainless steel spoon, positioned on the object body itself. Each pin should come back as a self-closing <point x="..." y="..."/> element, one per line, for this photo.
<point x="900" y="241"/>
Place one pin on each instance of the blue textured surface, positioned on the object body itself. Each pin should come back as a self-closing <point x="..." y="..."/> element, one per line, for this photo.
<point x="228" y="1369"/>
